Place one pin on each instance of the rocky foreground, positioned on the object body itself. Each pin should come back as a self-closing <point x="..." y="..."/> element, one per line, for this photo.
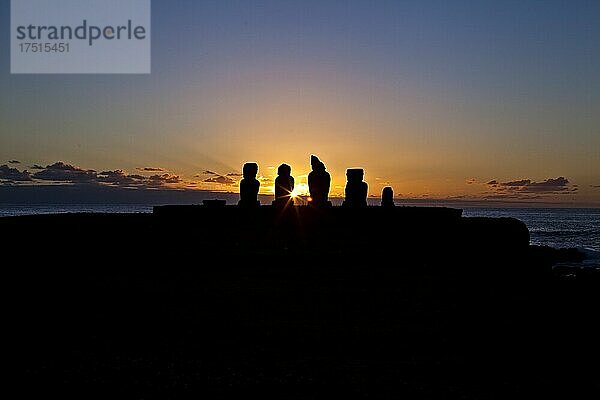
<point x="223" y="302"/>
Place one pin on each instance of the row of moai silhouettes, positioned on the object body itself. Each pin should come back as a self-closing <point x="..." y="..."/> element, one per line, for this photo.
<point x="319" y="183"/>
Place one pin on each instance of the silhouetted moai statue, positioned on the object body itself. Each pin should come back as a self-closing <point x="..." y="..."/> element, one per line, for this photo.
<point x="356" y="189"/>
<point x="319" y="182"/>
<point x="249" y="186"/>
<point x="387" y="197"/>
<point x="284" y="186"/>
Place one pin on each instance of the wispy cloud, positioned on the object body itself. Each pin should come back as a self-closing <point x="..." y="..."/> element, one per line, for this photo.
<point x="222" y="180"/>
<point x="150" y="169"/>
<point x="159" y="180"/>
<point x="265" y="180"/>
<point x="216" y="178"/>
<point x="120" y="178"/>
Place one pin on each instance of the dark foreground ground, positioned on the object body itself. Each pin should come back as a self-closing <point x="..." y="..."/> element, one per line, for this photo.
<point x="224" y="303"/>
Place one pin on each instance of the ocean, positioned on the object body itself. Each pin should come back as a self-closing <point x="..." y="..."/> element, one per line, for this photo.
<point x="556" y="227"/>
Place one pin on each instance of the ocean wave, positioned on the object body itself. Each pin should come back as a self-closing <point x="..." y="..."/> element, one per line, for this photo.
<point x="565" y="232"/>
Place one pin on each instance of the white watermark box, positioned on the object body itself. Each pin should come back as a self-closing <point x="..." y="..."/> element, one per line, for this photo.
<point x="80" y="37"/>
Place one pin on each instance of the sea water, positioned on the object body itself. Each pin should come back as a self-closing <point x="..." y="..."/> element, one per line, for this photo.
<point x="555" y="227"/>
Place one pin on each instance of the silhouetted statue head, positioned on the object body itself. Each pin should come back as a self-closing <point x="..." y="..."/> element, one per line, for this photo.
<point x="284" y="186"/>
<point x="250" y="170"/>
<point x="319" y="182"/>
<point x="316" y="164"/>
<point x="249" y="186"/>
<point x="387" y="197"/>
<point x="284" y="170"/>
<point x="355" y="174"/>
<point x="356" y="189"/>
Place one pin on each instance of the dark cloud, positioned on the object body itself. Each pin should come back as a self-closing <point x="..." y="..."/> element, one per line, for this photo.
<point x="158" y="180"/>
<point x="14" y="175"/>
<point x="522" y="182"/>
<point x="150" y="169"/>
<point x="222" y="180"/>
<point x="118" y="177"/>
<point x="67" y="173"/>
<point x="61" y="172"/>
<point x="14" y="162"/>
<point x="552" y="183"/>
<point x="560" y="184"/>
<point x="526" y="187"/>
<point x="595" y="186"/>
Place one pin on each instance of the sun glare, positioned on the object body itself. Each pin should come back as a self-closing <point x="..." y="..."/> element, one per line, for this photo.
<point x="301" y="189"/>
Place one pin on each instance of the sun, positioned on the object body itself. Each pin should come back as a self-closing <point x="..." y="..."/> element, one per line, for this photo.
<point x="301" y="189"/>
